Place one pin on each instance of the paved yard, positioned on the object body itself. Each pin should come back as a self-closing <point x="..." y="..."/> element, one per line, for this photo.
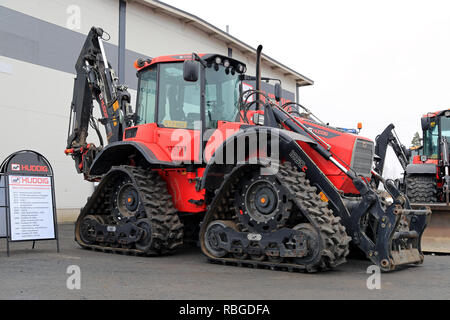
<point x="41" y="274"/>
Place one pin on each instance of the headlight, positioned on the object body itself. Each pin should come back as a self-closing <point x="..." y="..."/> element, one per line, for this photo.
<point x="240" y="68"/>
<point x="226" y="63"/>
<point x="218" y="60"/>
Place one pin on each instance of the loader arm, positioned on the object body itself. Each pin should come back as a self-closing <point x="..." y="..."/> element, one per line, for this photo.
<point x="95" y="80"/>
<point x="381" y="244"/>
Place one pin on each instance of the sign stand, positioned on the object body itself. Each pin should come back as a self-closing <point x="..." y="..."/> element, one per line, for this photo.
<point x="3" y="211"/>
<point x="27" y="199"/>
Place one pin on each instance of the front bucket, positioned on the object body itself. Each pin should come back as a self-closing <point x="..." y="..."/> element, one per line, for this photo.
<point x="436" y="237"/>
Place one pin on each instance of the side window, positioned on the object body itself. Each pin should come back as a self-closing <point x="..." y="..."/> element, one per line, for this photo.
<point x="445" y="127"/>
<point x="147" y="96"/>
<point x="431" y="143"/>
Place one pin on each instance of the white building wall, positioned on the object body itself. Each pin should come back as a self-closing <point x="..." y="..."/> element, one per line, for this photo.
<point x="36" y="99"/>
<point x="101" y="13"/>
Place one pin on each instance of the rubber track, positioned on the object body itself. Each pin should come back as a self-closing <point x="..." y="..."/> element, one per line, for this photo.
<point x="167" y="229"/>
<point x="421" y="189"/>
<point x="335" y="242"/>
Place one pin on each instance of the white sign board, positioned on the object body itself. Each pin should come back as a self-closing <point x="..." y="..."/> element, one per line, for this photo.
<point x="31" y="208"/>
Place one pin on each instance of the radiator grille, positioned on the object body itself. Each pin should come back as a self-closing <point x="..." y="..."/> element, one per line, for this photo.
<point x="362" y="157"/>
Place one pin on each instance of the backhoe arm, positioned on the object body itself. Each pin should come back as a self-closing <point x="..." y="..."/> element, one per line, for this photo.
<point x="95" y="80"/>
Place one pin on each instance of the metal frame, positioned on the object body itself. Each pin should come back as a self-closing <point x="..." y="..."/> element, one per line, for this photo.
<point x="5" y="206"/>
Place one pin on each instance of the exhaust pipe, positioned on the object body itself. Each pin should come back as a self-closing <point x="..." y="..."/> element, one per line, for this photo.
<point x="258" y="74"/>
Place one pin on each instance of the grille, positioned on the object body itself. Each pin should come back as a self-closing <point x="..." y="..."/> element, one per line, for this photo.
<point x="362" y="157"/>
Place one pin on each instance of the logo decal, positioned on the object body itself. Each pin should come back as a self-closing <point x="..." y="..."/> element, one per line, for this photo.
<point x="15" y="179"/>
<point x="254" y="237"/>
<point x="296" y="158"/>
<point x="321" y="131"/>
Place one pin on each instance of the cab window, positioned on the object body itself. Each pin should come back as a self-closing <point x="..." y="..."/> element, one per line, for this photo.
<point x="222" y="96"/>
<point x="178" y="100"/>
<point x="146" y="99"/>
<point x="431" y="143"/>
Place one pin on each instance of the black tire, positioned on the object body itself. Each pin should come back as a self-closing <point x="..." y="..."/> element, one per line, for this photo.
<point x="334" y="246"/>
<point x="421" y="188"/>
<point x="332" y="242"/>
<point x="152" y="209"/>
<point x="166" y="228"/>
<point x="87" y="228"/>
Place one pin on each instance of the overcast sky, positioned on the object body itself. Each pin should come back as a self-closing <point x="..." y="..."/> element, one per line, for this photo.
<point x="374" y="62"/>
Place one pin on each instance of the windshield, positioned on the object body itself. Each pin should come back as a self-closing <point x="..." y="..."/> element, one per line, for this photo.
<point x="178" y="101"/>
<point x="221" y="96"/>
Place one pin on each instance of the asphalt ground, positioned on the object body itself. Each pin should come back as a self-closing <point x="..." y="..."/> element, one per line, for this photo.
<point x="41" y="273"/>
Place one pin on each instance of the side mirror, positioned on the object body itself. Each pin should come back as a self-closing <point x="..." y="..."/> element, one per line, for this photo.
<point x="278" y="92"/>
<point x="190" y="70"/>
<point x="425" y="123"/>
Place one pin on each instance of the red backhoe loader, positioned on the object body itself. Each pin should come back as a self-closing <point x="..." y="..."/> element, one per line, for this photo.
<point x="426" y="175"/>
<point x="257" y="183"/>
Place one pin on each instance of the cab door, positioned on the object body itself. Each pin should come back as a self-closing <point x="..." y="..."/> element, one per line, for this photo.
<point x="178" y="114"/>
<point x="173" y="104"/>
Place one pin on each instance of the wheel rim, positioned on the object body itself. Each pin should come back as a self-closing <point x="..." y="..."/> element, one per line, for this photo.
<point x="146" y="239"/>
<point x="87" y="229"/>
<point x="262" y="204"/>
<point x="127" y="200"/>
<point x="312" y="236"/>
<point x="274" y="259"/>
<point x="242" y="255"/>
<point x="257" y="257"/>
<point x="213" y="237"/>
<point x="261" y="201"/>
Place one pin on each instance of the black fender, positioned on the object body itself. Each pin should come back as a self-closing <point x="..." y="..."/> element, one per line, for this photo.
<point x="425" y="168"/>
<point x="118" y="153"/>
<point x="289" y="150"/>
